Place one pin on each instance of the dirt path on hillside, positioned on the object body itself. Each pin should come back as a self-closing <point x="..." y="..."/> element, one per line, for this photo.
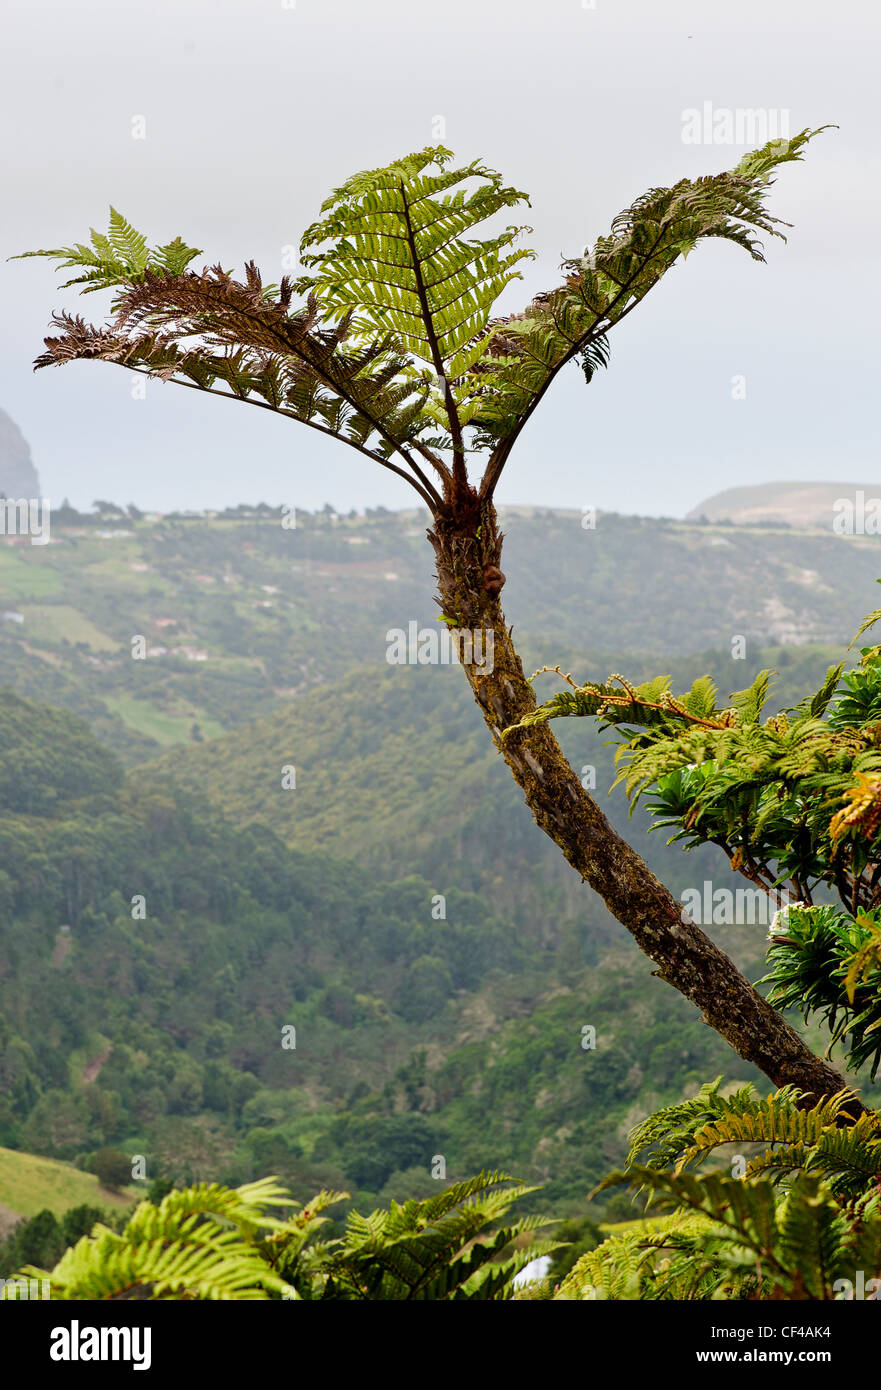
<point x="93" y="1068"/>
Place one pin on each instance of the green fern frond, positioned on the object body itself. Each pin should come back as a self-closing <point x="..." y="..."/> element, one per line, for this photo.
<point x="524" y="351"/>
<point x="667" y="1132"/>
<point x="612" y="1272"/>
<point x="447" y="1247"/>
<point x="129" y="246"/>
<point x="116" y="258"/>
<point x="812" y="1233"/>
<point x="848" y="1156"/>
<point x="196" y="1244"/>
<point x="392" y="252"/>
<point x="773" y="1119"/>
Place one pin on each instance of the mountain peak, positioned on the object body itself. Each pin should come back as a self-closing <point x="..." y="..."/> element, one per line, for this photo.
<point x="18" y="476"/>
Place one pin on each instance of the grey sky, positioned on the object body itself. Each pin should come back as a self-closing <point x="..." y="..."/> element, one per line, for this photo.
<point x="255" y="108"/>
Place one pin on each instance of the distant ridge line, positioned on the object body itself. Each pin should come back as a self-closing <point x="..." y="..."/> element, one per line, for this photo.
<point x="793" y="503"/>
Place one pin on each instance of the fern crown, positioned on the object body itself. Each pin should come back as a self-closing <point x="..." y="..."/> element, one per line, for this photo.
<point x="395" y="350"/>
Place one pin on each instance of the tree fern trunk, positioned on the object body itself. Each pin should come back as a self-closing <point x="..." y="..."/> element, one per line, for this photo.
<point x="468" y="551"/>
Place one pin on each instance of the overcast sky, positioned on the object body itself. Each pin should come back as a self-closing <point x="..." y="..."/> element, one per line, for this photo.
<point x="254" y="109"/>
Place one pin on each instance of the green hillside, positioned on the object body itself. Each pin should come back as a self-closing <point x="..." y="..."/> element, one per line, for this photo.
<point x="30" y="1183"/>
<point x="164" y="1033"/>
<point x="394" y="763"/>
<point x="240" y="615"/>
<point x="419" y="1029"/>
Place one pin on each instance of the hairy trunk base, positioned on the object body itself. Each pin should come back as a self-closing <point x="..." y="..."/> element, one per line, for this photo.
<point x="468" y="571"/>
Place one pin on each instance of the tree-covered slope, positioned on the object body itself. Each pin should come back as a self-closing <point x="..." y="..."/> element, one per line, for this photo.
<point x="153" y="952"/>
<point x="393" y="767"/>
<point x="153" y="955"/>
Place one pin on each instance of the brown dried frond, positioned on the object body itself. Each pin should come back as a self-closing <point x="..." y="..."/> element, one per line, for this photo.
<point x="212" y="305"/>
<point x="78" y="339"/>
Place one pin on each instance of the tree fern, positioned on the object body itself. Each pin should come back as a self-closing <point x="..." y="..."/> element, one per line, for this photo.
<point x="398" y="352"/>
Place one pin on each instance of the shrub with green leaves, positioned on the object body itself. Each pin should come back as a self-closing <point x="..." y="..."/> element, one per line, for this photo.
<point x="825" y="961"/>
<point x="792" y="799"/>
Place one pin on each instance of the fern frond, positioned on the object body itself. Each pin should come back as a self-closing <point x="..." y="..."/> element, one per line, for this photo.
<point x="392" y="252"/>
<point x="447" y="1247"/>
<point x="116" y="258"/>
<point x="207" y="329"/>
<point x="773" y="1119"/>
<point x="196" y="1244"/>
<point x="667" y="1132"/>
<point x="524" y="351"/>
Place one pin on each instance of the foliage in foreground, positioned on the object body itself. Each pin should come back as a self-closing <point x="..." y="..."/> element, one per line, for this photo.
<point x="795" y="1214"/>
<point x="210" y="1242"/>
<point x="797" y="1217"/>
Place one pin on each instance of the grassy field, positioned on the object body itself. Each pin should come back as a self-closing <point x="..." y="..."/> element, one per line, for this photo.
<point x="28" y="1183"/>
<point x="22" y="576"/>
<point x="166" y="729"/>
<point x="62" y="623"/>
